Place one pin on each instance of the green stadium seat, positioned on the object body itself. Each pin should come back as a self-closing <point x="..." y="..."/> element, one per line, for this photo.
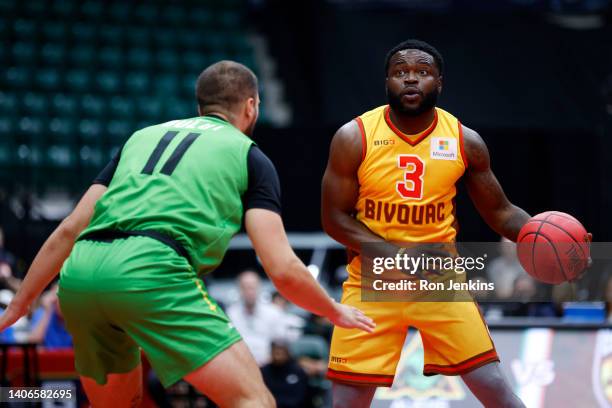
<point x="146" y="13"/>
<point x="8" y="104"/>
<point x="92" y="9"/>
<point x="7" y="150"/>
<point x="194" y="62"/>
<point x="138" y="36"/>
<point x="164" y="39"/>
<point x="92" y="156"/>
<point x="139" y="58"/>
<point x="167" y="59"/>
<point x="64" y="105"/>
<point x="61" y="155"/>
<point x="64" y="9"/>
<point x="63" y="130"/>
<point x="137" y="82"/>
<point x="187" y="40"/>
<point x="111" y="34"/>
<point x="7" y="127"/>
<point x="200" y="17"/>
<point x="31" y="127"/>
<point x="119" y="12"/>
<point x="35" y="104"/>
<point x="121" y="107"/>
<point x="173" y="15"/>
<point x="54" y="31"/>
<point x="81" y="56"/>
<point x="25" y="29"/>
<point x="149" y="108"/>
<point x="93" y="106"/>
<point x="24" y="53"/>
<point x="110" y="57"/>
<point x="48" y="79"/>
<point x="166" y="84"/>
<point x="18" y="78"/>
<point x="90" y="129"/>
<point x="34" y="8"/>
<point x="108" y="82"/>
<point x="119" y="130"/>
<point x="78" y="80"/>
<point x="83" y="32"/>
<point x="228" y="19"/>
<point x="53" y="54"/>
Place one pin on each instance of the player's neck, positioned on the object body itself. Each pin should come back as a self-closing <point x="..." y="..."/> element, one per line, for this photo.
<point x="412" y="125"/>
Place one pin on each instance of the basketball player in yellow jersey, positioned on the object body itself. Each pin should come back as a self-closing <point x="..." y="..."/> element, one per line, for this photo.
<point x="391" y="177"/>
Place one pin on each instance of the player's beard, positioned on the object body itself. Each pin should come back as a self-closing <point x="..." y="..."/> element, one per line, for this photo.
<point x="249" y="131"/>
<point x="428" y="101"/>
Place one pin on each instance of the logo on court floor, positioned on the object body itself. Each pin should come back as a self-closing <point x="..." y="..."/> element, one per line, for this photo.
<point x="443" y="148"/>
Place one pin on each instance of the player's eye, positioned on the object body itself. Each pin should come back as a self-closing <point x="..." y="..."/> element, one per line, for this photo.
<point x="423" y="72"/>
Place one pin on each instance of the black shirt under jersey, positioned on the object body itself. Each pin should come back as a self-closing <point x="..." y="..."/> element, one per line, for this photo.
<point x="263" y="189"/>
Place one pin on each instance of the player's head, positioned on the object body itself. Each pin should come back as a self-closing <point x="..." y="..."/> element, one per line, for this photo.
<point x="231" y="89"/>
<point x="413" y="72"/>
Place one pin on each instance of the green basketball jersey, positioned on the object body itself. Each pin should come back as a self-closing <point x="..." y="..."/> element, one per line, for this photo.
<point x="185" y="179"/>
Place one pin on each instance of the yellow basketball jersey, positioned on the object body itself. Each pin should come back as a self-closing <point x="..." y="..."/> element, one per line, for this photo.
<point x="407" y="182"/>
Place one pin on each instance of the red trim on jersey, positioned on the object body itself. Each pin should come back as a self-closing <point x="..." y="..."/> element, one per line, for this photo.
<point x="404" y="136"/>
<point x="364" y="143"/>
<point x="463" y="156"/>
<point x="463" y="367"/>
<point x="358" y="378"/>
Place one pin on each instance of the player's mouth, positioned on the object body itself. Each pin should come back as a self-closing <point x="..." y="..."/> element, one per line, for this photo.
<point x="411" y="95"/>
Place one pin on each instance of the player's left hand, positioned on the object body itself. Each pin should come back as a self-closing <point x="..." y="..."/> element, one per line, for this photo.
<point x="12" y="313"/>
<point x="350" y="317"/>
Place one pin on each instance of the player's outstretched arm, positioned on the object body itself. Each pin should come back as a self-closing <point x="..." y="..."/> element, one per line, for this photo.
<point x="51" y="256"/>
<point x="340" y="190"/>
<point x="290" y="276"/>
<point x="485" y="191"/>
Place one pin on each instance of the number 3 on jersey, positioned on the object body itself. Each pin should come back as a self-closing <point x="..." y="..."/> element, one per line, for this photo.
<point x="412" y="186"/>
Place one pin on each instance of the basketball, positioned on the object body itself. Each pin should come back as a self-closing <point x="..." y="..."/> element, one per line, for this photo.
<point x="553" y="247"/>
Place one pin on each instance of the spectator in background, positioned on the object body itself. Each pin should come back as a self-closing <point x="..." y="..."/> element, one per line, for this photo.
<point x="8" y="264"/>
<point x="293" y="323"/>
<point x="257" y="322"/>
<point x="505" y="269"/>
<point x="47" y="323"/>
<point x="525" y="290"/>
<point x="284" y="377"/>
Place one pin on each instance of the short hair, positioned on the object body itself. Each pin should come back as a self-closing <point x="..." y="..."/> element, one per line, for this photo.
<point x="224" y="84"/>
<point x="416" y="45"/>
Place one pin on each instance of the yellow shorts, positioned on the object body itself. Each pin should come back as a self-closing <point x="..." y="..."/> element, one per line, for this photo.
<point x="455" y="339"/>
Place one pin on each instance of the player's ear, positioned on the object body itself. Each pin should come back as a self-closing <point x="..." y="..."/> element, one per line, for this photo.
<point x="251" y="107"/>
<point x="440" y="82"/>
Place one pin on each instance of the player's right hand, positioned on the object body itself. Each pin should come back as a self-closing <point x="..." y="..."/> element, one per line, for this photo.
<point x="350" y="317"/>
<point x="12" y="313"/>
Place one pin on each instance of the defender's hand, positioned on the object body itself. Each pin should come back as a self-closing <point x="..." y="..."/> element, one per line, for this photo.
<point x="12" y="313"/>
<point x="351" y="318"/>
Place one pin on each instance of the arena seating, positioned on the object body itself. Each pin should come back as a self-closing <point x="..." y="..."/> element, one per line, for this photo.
<point x="80" y="77"/>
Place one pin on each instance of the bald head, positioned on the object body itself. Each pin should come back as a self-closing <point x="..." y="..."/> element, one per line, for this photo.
<point x="224" y="85"/>
<point x="248" y="283"/>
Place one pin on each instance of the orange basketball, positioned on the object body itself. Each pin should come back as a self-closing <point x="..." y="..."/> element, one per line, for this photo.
<point x="553" y="247"/>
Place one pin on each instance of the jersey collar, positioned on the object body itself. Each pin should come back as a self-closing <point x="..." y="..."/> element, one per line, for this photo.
<point x="412" y="140"/>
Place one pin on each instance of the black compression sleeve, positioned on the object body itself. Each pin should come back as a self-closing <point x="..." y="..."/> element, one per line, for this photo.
<point x="106" y="175"/>
<point x="264" y="186"/>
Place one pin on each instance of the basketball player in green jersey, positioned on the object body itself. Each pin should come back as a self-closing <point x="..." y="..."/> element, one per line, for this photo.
<point x="160" y="214"/>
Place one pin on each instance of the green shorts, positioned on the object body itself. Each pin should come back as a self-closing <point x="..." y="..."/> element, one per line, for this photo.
<point x="120" y="296"/>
